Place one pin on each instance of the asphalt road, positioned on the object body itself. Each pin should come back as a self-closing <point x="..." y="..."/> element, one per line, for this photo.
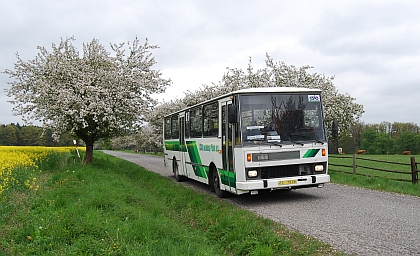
<point x="353" y="220"/>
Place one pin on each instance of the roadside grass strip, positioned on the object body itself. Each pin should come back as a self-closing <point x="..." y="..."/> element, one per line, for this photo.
<point x="114" y="207"/>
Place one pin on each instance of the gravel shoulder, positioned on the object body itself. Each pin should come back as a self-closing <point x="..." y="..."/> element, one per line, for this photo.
<point x="353" y="220"/>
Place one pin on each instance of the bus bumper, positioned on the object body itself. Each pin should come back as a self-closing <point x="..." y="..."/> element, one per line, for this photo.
<point x="290" y="182"/>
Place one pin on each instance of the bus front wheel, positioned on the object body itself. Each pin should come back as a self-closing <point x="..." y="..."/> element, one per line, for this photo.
<point x="216" y="184"/>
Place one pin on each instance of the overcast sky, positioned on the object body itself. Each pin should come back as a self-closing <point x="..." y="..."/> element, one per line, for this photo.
<point x="371" y="47"/>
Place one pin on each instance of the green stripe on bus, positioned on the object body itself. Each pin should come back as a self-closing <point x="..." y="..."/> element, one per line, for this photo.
<point x="175" y="146"/>
<point x="199" y="170"/>
<point x="310" y="153"/>
<point x="227" y="178"/>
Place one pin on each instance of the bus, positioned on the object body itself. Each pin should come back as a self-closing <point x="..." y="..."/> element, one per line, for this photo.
<point x="250" y="140"/>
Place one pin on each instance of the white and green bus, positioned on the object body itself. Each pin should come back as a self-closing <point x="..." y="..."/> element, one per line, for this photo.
<point x="250" y="140"/>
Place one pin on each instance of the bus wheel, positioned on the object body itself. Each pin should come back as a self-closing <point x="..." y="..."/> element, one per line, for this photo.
<point x="177" y="176"/>
<point x="216" y="184"/>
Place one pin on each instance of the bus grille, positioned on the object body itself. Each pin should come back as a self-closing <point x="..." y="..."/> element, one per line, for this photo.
<point x="279" y="171"/>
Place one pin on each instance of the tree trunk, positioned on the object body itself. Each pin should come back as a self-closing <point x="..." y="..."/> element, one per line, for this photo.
<point x="89" y="151"/>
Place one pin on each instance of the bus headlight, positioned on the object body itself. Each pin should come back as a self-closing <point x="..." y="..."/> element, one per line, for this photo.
<point x="252" y="173"/>
<point x="319" y="168"/>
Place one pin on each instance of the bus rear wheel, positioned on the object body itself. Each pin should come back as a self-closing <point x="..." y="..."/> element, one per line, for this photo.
<point x="216" y="184"/>
<point x="175" y="169"/>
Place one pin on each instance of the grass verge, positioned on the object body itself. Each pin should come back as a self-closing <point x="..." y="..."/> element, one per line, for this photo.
<point x="113" y="207"/>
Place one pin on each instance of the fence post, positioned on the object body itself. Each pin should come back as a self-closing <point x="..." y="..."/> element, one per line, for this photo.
<point x="354" y="163"/>
<point x="414" y="171"/>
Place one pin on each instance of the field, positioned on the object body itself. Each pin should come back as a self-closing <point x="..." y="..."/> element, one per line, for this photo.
<point x="375" y="179"/>
<point x="20" y="166"/>
<point x="113" y="207"/>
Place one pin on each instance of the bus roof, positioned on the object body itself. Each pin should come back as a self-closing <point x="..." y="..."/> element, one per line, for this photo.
<point x="255" y="90"/>
<point x="274" y="89"/>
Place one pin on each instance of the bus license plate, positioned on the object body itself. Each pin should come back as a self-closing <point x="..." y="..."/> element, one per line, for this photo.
<point x="287" y="182"/>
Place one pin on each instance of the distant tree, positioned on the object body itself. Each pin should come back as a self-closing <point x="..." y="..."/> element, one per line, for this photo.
<point x="148" y="138"/>
<point x="356" y="131"/>
<point x="155" y="119"/>
<point x="384" y="138"/>
<point x="394" y="137"/>
<point x="124" y="142"/>
<point x="2" y="140"/>
<point x="93" y="95"/>
<point x="408" y="141"/>
<point x="104" y="144"/>
<point x="10" y="135"/>
<point x="32" y="136"/>
<point x="66" y="139"/>
<point x="398" y="128"/>
<point x="380" y="145"/>
<point x="368" y="140"/>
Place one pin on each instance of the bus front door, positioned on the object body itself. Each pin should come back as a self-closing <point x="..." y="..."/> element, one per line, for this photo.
<point x="228" y="177"/>
<point x="182" y="146"/>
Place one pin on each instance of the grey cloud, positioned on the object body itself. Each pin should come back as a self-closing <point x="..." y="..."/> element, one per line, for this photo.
<point x="364" y="44"/>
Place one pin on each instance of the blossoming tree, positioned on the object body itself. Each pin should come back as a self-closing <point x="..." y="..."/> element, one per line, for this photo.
<point x="337" y="106"/>
<point x="94" y="94"/>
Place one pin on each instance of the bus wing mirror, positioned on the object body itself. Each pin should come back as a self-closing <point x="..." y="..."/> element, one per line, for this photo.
<point x="334" y="129"/>
<point x="232" y="114"/>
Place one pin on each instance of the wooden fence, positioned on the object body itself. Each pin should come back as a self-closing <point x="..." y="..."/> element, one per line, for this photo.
<point x="413" y="168"/>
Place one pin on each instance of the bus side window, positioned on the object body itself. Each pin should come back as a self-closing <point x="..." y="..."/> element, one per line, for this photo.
<point x="175" y="127"/>
<point x="187" y="125"/>
<point x="167" y="131"/>
<point x="196" y="123"/>
<point x="211" y="119"/>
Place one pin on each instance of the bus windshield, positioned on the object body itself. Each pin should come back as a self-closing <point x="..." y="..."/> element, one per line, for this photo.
<point x="281" y="118"/>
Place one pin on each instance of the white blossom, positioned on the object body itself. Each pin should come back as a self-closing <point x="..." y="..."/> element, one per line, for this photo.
<point x="94" y="94"/>
<point x="337" y="106"/>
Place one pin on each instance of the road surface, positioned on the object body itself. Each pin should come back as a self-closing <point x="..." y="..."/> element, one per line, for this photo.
<point x="353" y="220"/>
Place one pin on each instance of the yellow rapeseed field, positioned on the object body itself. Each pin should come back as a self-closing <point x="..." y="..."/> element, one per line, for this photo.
<point x="26" y="159"/>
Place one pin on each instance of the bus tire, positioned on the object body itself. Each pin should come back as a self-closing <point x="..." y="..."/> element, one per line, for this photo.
<point x="175" y="169"/>
<point x="216" y="184"/>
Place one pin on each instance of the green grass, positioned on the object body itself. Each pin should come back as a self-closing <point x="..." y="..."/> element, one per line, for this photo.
<point x="114" y="207"/>
<point x="383" y="181"/>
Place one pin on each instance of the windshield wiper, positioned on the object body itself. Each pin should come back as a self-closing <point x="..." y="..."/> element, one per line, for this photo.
<point x="318" y="141"/>
<point x="278" y="144"/>
<point x="262" y="142"/>
<point x="298" y="142"/>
